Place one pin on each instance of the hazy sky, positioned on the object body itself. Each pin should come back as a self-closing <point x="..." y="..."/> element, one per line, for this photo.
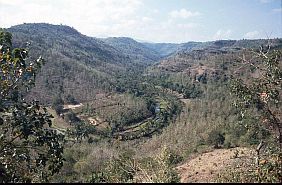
<point x="153" y="20"/>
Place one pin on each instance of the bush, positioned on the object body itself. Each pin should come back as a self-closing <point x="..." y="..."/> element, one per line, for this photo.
<point x="117" y="170"/>
<point x="125" y="168"/>
<point x="71" y="117"/>
<point x="192" y="91"/>
<point x="70" y="99"/>
<point x="215" y="138"/>
<point x="159" y="168"/>
<point x="57" y="105"/>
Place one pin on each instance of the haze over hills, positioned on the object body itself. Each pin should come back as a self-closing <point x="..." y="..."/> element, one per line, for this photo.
<point x="167" y="49"/>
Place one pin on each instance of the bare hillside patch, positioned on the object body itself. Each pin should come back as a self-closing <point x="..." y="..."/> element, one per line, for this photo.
<point x="207" y="166"/>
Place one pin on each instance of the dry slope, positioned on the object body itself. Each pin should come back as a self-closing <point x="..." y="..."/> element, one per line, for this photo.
<point x="207" y="166"/>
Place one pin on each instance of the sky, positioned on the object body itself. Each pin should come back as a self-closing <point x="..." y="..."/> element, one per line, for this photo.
<point x="159" y="21"/>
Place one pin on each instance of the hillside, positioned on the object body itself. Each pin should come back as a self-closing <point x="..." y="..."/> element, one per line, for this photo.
<point x="82" y="66"/>
<point x="170" y="49"/>
<point x="145" y="112"/>
<point x="77" y="65"/>
<point x="200" y="57"/>
<point x="133" y="49"/>
<point x="163" y="49"/>
<point x="208" y="166"/>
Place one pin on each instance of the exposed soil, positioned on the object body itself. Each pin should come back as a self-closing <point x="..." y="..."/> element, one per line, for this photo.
<point x="72" y="106"/>
<point x="94" y="121"/>
<point x="207" y="166"/>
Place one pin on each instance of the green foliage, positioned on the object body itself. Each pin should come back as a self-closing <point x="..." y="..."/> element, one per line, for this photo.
<point x="268" y="170"/>
<point x="117" y="170"/>
<point x="151" y="105"/>
<point x="30" y="151"/>
<point x="80" y="131"/>
<point x="260" y="97"/>
<point x="71" y="117"/>
<point x="247" y="131"/>
<point x="79" y="65"/>
<point x="192" y="91"/>
<point x="159" y="169"/>
<point x="215" y="138"/>
<point x="125" y="168"/>
<point x="132" y="49"/>
<point x="70" y="99"/>
<point x="84" y="69"/>
<point x="171" y="157"/>
<point x="57" y="104"/>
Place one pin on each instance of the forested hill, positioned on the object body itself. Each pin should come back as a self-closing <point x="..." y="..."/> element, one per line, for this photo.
<point x="163" y="49"/>
<point x="67" y="40"/>
<point x="170" y="49"/>
<point x="82" y="66"/>
<point x="228" y="50"/>
<point x="133" y="49"/>
<point x="76" y="64"/>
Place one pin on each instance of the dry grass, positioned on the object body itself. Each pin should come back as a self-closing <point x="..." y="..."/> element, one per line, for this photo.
<point x="207" y="166"/>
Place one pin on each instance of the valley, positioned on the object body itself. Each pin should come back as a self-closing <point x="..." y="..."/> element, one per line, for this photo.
<point x="133" y="112"/>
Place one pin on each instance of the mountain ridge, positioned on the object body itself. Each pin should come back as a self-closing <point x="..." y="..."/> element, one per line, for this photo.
<point x="158" y="50"/>
<point x="76" y="61"/>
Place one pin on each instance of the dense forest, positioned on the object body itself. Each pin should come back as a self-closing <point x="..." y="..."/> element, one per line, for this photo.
<point x="85" y="109"/>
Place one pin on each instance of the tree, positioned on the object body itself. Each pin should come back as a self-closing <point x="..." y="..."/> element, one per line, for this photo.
<point x="71" y="117"/>
<point x="216" y="138"/>
<point x="259" y="96"/>
<point x="192" y="91"/>
<point x="80" y="131"/>
<point x="71" y="99"/>
<point x="30" y="150"/>
<point x="57" y="104"/>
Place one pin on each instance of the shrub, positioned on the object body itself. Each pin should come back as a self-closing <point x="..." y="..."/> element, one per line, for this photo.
<point x="215" y="138"/>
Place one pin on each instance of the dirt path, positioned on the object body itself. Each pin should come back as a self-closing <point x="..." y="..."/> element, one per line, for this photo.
<point x="72" y="106"/>
<point x="206" y="166"/>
